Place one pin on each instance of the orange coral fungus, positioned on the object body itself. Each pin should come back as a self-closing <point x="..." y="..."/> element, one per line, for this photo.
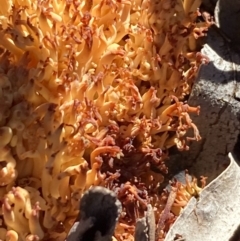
<point x="185" y="192"/>
<point x="175" y="200"/>
<point x="91" y="93"/>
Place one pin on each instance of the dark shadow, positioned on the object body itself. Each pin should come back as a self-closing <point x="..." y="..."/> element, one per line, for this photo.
<point x="236" y="150"/>
<point x="209" y="5"/>
<point x="236" y="235"/>
<point x="228" y="18"/>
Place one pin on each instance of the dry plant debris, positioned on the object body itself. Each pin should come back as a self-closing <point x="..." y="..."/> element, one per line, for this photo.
<point x="92" y="93"/>
<point x="216" y="207"/>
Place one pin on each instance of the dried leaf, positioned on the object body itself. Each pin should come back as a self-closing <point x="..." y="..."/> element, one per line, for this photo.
<point x="215" y="214"/>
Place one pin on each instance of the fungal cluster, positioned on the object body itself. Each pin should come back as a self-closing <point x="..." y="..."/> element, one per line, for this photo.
<point x="92" y="93"/>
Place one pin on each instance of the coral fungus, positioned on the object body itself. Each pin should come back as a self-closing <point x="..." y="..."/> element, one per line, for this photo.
<point x="91" y="93"/>
<point x="185" y="192"/>
<point x="175" y="200"/>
